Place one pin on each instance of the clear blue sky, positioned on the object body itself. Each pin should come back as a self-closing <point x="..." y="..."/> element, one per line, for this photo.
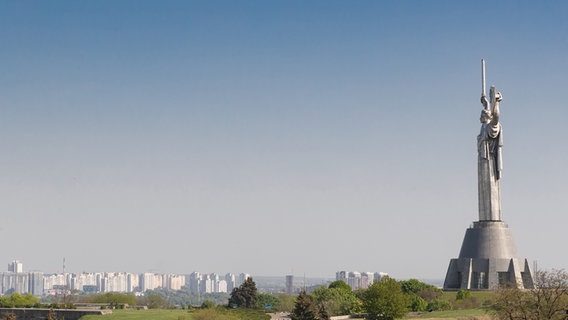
<point x="272" y="137"/>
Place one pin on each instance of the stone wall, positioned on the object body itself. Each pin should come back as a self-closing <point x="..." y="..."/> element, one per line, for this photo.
<point x="41" y="314"/>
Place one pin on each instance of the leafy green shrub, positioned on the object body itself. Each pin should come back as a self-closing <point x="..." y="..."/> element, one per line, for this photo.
<point x="16" y="300"/>
<point x="463" y="294"/>
<point x="439" y="305"/>
<point x="417" y="303"/>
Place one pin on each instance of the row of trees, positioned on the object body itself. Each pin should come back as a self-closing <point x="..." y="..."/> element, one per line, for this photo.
<point x="16" y="300"/>
<point x="384" y="299"/>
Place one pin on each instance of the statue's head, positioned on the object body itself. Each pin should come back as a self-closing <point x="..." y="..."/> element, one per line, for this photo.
<point x="485" y="116"/>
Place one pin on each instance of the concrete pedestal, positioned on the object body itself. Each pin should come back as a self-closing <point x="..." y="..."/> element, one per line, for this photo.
<point x="488" y="258"/>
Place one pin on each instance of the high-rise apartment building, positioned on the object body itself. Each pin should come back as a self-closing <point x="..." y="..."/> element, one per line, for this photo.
<point x="35" y="283"/>
<point x="147" y="281"/>
<point x="132" y="282"/>
<point x="367" y="279"/>
<point x="380" y="275"/>
<point x="194" y="282"/>
<point x="354" y="280"/>
<point x="174" y="281"/>
<point x="16" y="266"/>
<point x="207" y="284"/>
<point x="231" y="282"/>
<point x="289" y="284"/>
<point x="242" y="278"/>
<point x="341" y="275"/>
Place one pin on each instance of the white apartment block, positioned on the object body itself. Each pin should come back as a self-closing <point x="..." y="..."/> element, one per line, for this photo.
<point x="354" y="280"/>
<point x="78" y="281"/>
<point x="357" y="280"/>
<point x="209" y="283"/>
<point x="173" y="281"/>
<point x="147" y="282"/>
<point x="14" y="282"/>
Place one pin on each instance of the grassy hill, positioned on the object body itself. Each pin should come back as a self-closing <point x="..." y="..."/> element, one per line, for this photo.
<point x="164" y="314"/>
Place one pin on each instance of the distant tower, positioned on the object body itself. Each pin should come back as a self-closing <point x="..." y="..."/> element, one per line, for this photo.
<point x="488" y="257"/>
<point x="242" y="278"/>
<point x="354" y="280"/>
<point x="231" y="282"/>
<point x="16" y="266"/>
<point x="289" y="284"/>
<point x="379" y="275"/>
<point x="35" y="283"/>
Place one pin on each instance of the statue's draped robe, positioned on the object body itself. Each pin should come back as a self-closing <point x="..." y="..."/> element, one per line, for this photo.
<point x="489" y="164"/>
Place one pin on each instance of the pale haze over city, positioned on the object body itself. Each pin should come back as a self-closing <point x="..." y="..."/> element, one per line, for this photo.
<point x="275" y="137"/>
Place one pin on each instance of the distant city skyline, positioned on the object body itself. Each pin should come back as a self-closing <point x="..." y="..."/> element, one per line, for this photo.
<point x="38" y="283"/>
<point x="275" y="137"/>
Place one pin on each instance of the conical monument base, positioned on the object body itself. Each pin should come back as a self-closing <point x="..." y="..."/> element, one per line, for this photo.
<point x="488" y="259"/>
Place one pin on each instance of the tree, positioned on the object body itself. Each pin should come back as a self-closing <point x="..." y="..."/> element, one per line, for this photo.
<point x="323" y="314"/>
<point x="114" y="299"/>
<point x="417" y="303"/>
<point x="551" y="294"/>
<point x="285" y="302"/>
<point x="338" y="300"/>
<point x="156" y="301"/>
<point x="16" y="300"/>
<point x="339" y="284"/>
<point x="384" y="300"/>
<point x="547" y="301"/>
<point x="513" y="303"/>
<point x="419" y="293"/>
<point x="426" y="291"/>
<point x="305" y="308"/>
<point x="245" y="296"/>
<point x="414" y="286"/>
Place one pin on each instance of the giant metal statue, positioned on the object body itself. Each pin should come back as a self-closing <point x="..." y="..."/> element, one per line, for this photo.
<point x="489" y="164"/>
<point x="488" y="257"/>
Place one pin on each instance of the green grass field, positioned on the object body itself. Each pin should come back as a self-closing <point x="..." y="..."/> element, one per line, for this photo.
<point x="453" y="314"/>
<point x="163" y="314"/>
<point x="475" y="307"/>
<point x="157" y="314"/>
<point x="142" y="315"/>
<point x="478" y="295"/>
